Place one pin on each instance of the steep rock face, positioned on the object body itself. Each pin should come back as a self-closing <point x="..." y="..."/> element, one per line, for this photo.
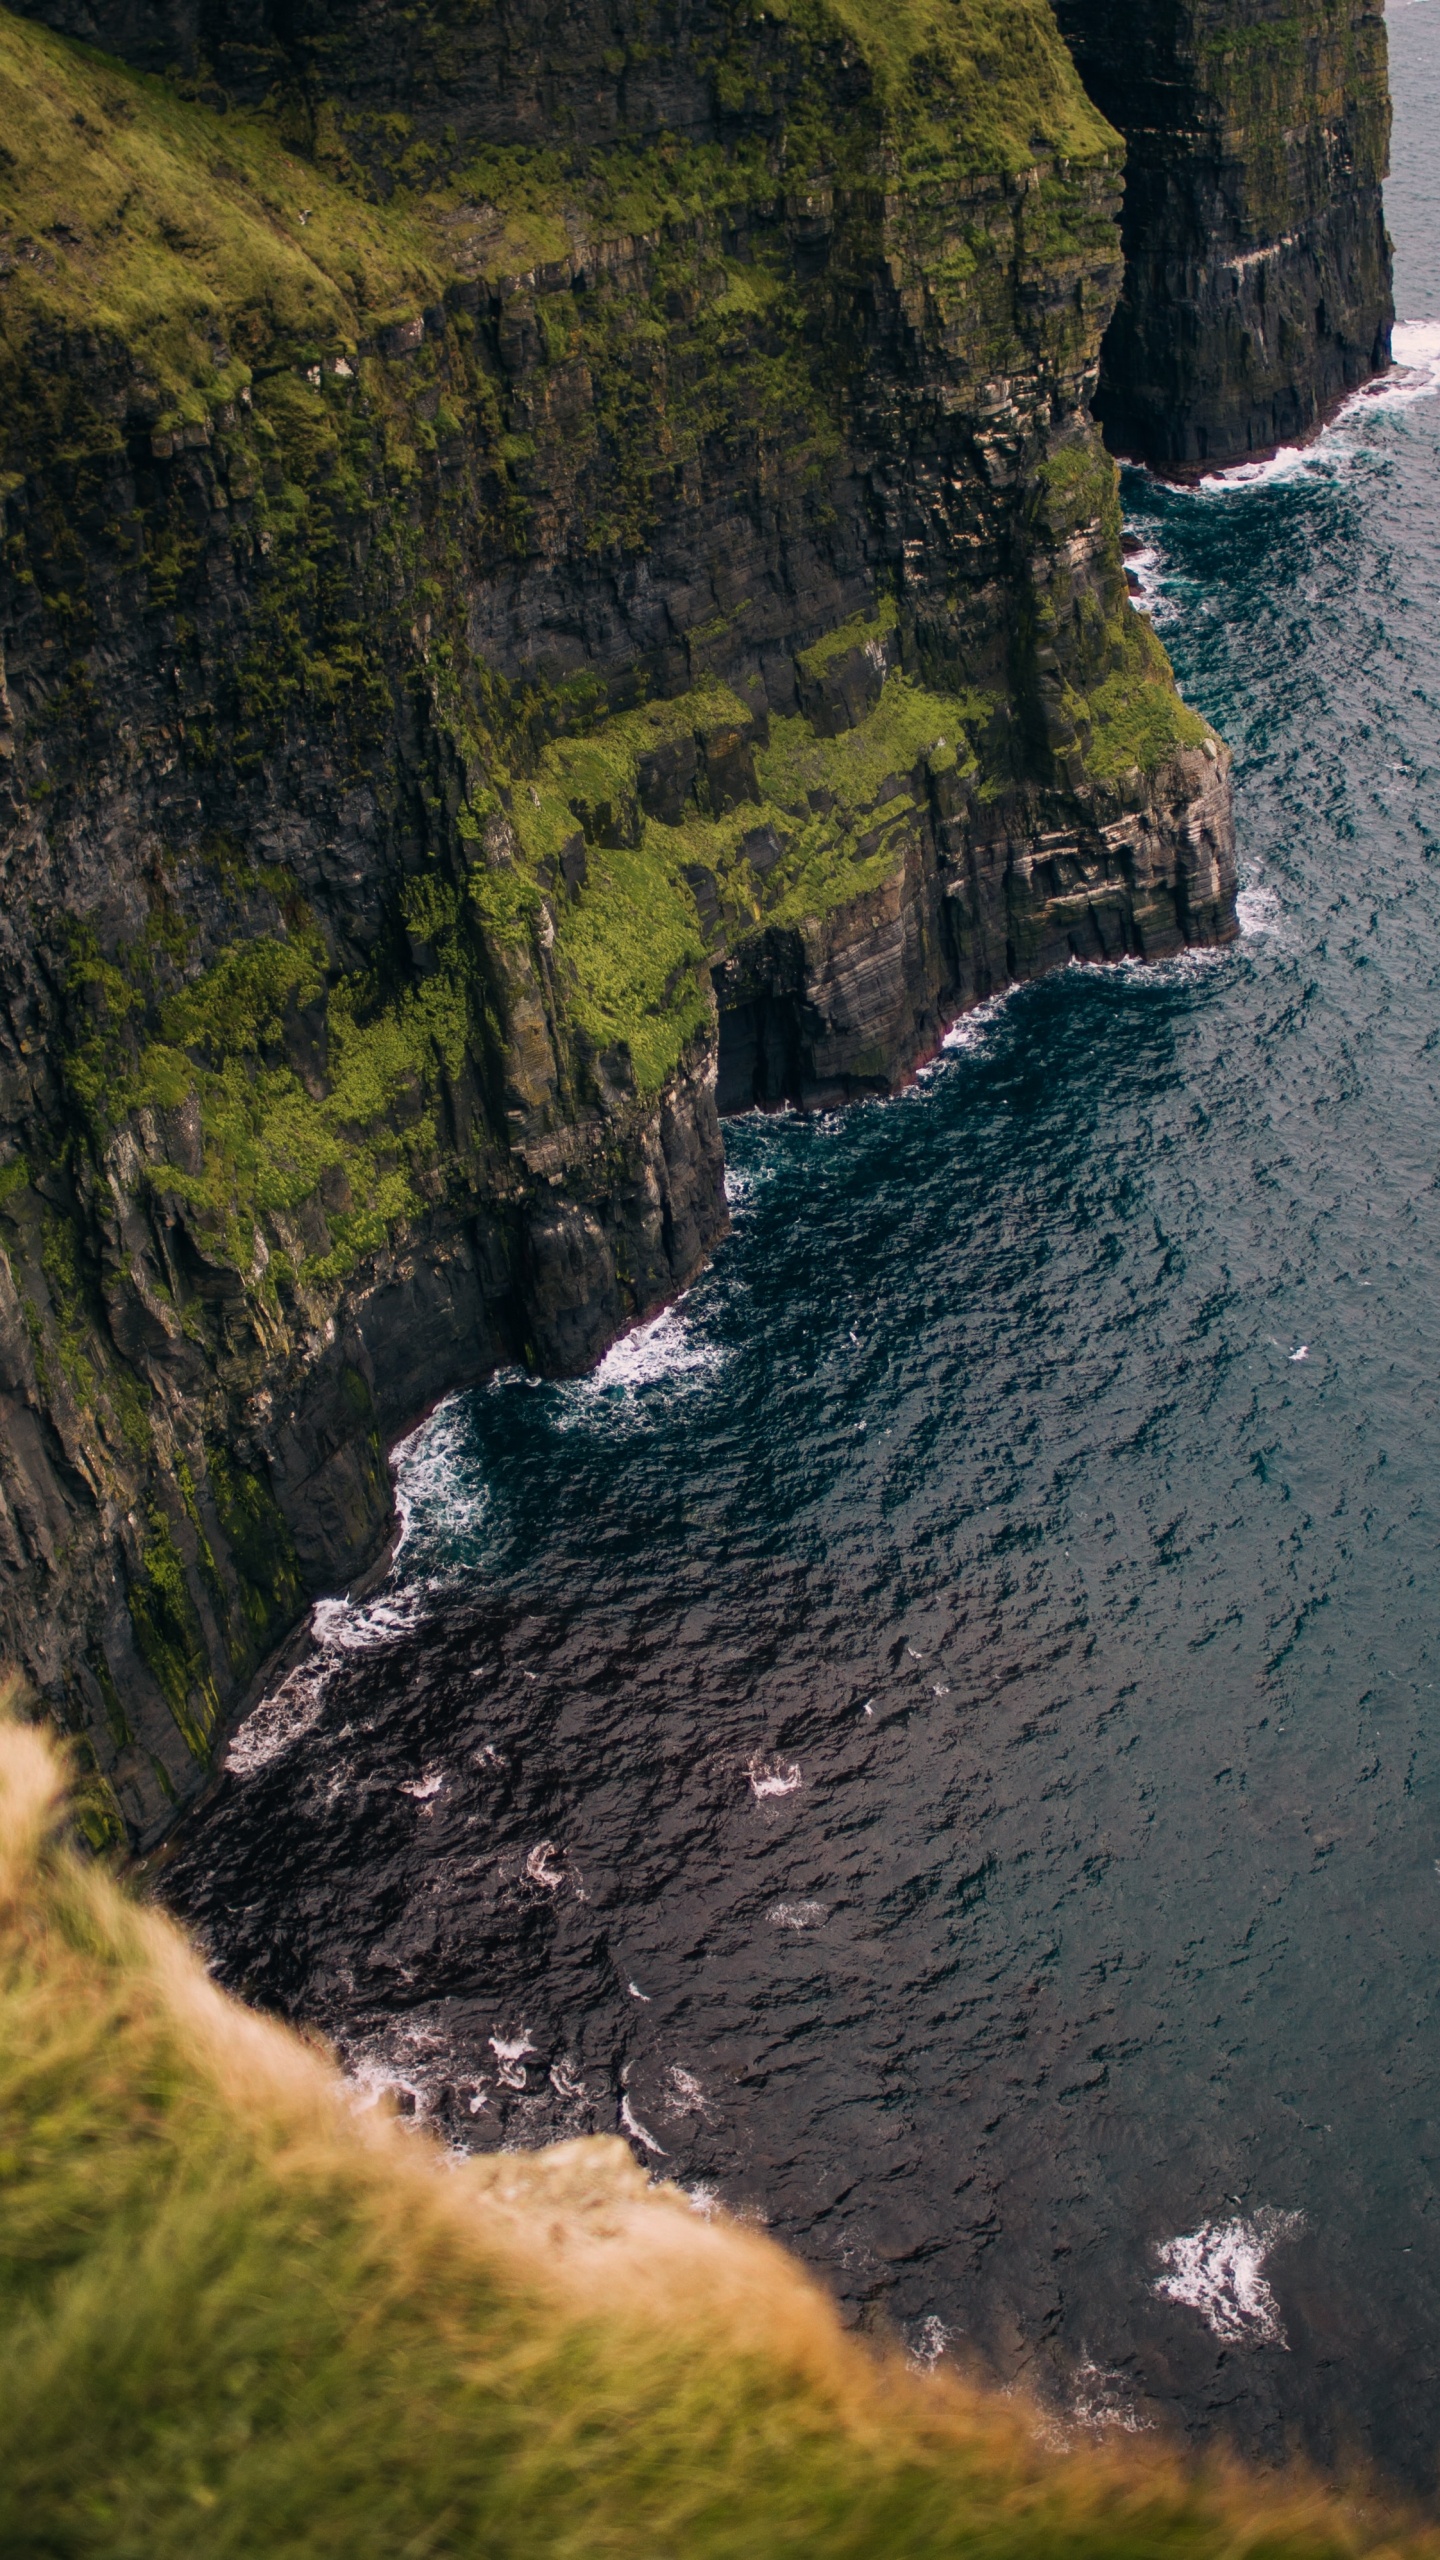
<point x="550" y="555"/>
<point x="1257" y="268"/>
<point x="826" y="1010"/>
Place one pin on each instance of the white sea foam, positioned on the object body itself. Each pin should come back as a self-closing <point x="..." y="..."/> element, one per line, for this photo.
<point x="666" y="1347"/>
<point x="929" y="2344"/>
<point x="1103" y="2398"/>
<point x="974" y="1027"/>
<point x="358" y="1626"/>
<point x="798" y="1915"/>
<point x="281" y="1720"/>
<point x="667" y="1353"/>
<point x="684" y="2095"/>
<point x="291" y="1711"/>
<point x="424" y="1790"/>
<point x="373" y="2081"/>
<point x="1182" y="969"/>
<point x="416" y="2058"/>
<point x="1258" y="909"/>
<point x="1219" y="2271"/>
<point x="1285" y="463"/>
<point x="1414" y="374"/>
<point x="540" y="1867"/>
<point x="1145" y="566"/>
<point x="439" y="1493"/>
<point x="510" y="2053"/>
<point x="435" y="1498"/>
<point x="638" y="2132"/>
<point x="773" y="1777"/>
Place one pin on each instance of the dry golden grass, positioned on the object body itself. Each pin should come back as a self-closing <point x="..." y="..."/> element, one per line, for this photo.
<point x="240" y="2317"/>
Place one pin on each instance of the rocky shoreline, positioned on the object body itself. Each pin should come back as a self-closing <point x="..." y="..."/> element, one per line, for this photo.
<point x="531" y="629"/>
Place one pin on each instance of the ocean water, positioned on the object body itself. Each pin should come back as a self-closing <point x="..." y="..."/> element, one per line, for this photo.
<point x="938" y="1741"/>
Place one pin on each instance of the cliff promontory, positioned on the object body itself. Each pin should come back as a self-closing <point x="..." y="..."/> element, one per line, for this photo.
<point x="1257" y="269"/>
<point x="556" y="567"/>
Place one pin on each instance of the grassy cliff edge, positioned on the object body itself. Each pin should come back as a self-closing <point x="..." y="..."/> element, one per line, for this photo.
<point x="244" y="2318"/>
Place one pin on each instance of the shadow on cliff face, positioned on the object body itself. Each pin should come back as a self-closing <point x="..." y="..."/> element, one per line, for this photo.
<point x="758" y="1056"/>
<point x="1258" y="288"/>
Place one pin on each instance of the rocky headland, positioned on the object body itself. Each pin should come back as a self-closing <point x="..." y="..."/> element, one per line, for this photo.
<point x="558" y="579"/>
<point x="1257" y="286"/>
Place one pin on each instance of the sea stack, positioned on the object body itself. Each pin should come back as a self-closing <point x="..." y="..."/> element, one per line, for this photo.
<point x="1257" y="267"/>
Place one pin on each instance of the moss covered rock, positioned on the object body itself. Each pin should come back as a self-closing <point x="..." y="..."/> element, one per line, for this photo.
<point x="551" y="556"/>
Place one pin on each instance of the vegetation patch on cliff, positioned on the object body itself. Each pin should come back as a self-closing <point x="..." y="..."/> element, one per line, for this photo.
<point x="965" y="84"/>
<point x="773" y="824"/>
<point x="413" y="517"/>
<point x="267" y="1140"/>
<point x="1134" y="719"/>
<point x="197" y="245"/>
<point x="200" y="249"/>
<point x="168" y="1634"/>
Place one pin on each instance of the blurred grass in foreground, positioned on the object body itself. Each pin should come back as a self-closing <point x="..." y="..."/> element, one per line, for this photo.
<point x="238" y="2318"/>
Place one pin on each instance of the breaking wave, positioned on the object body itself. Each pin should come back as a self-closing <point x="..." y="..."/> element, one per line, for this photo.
<point x="1219" y="2271"/>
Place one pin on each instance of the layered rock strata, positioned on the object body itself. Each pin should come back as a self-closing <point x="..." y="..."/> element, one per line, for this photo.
<point x="1258" y="286"/>
<point x="554" y="558"/>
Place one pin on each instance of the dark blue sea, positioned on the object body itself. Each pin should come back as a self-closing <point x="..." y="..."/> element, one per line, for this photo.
<point x="939" y="1741"/>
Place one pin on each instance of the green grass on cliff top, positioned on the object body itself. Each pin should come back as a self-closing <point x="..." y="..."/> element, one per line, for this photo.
<point x="969" y="85"/>
<point x="195" y="241"/>
<point x="240" y="2319"/>
<point x="206" y="247"/>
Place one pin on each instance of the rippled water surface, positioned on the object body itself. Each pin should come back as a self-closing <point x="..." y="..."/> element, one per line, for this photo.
<point x="939" y="1741"/>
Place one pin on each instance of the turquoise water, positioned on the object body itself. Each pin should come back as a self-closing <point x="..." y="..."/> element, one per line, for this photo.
<point x="939" y="1742"/>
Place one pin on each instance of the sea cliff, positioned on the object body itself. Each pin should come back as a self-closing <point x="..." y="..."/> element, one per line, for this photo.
<point x="557" y="575"/>
<point x="1257" y="285"/>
